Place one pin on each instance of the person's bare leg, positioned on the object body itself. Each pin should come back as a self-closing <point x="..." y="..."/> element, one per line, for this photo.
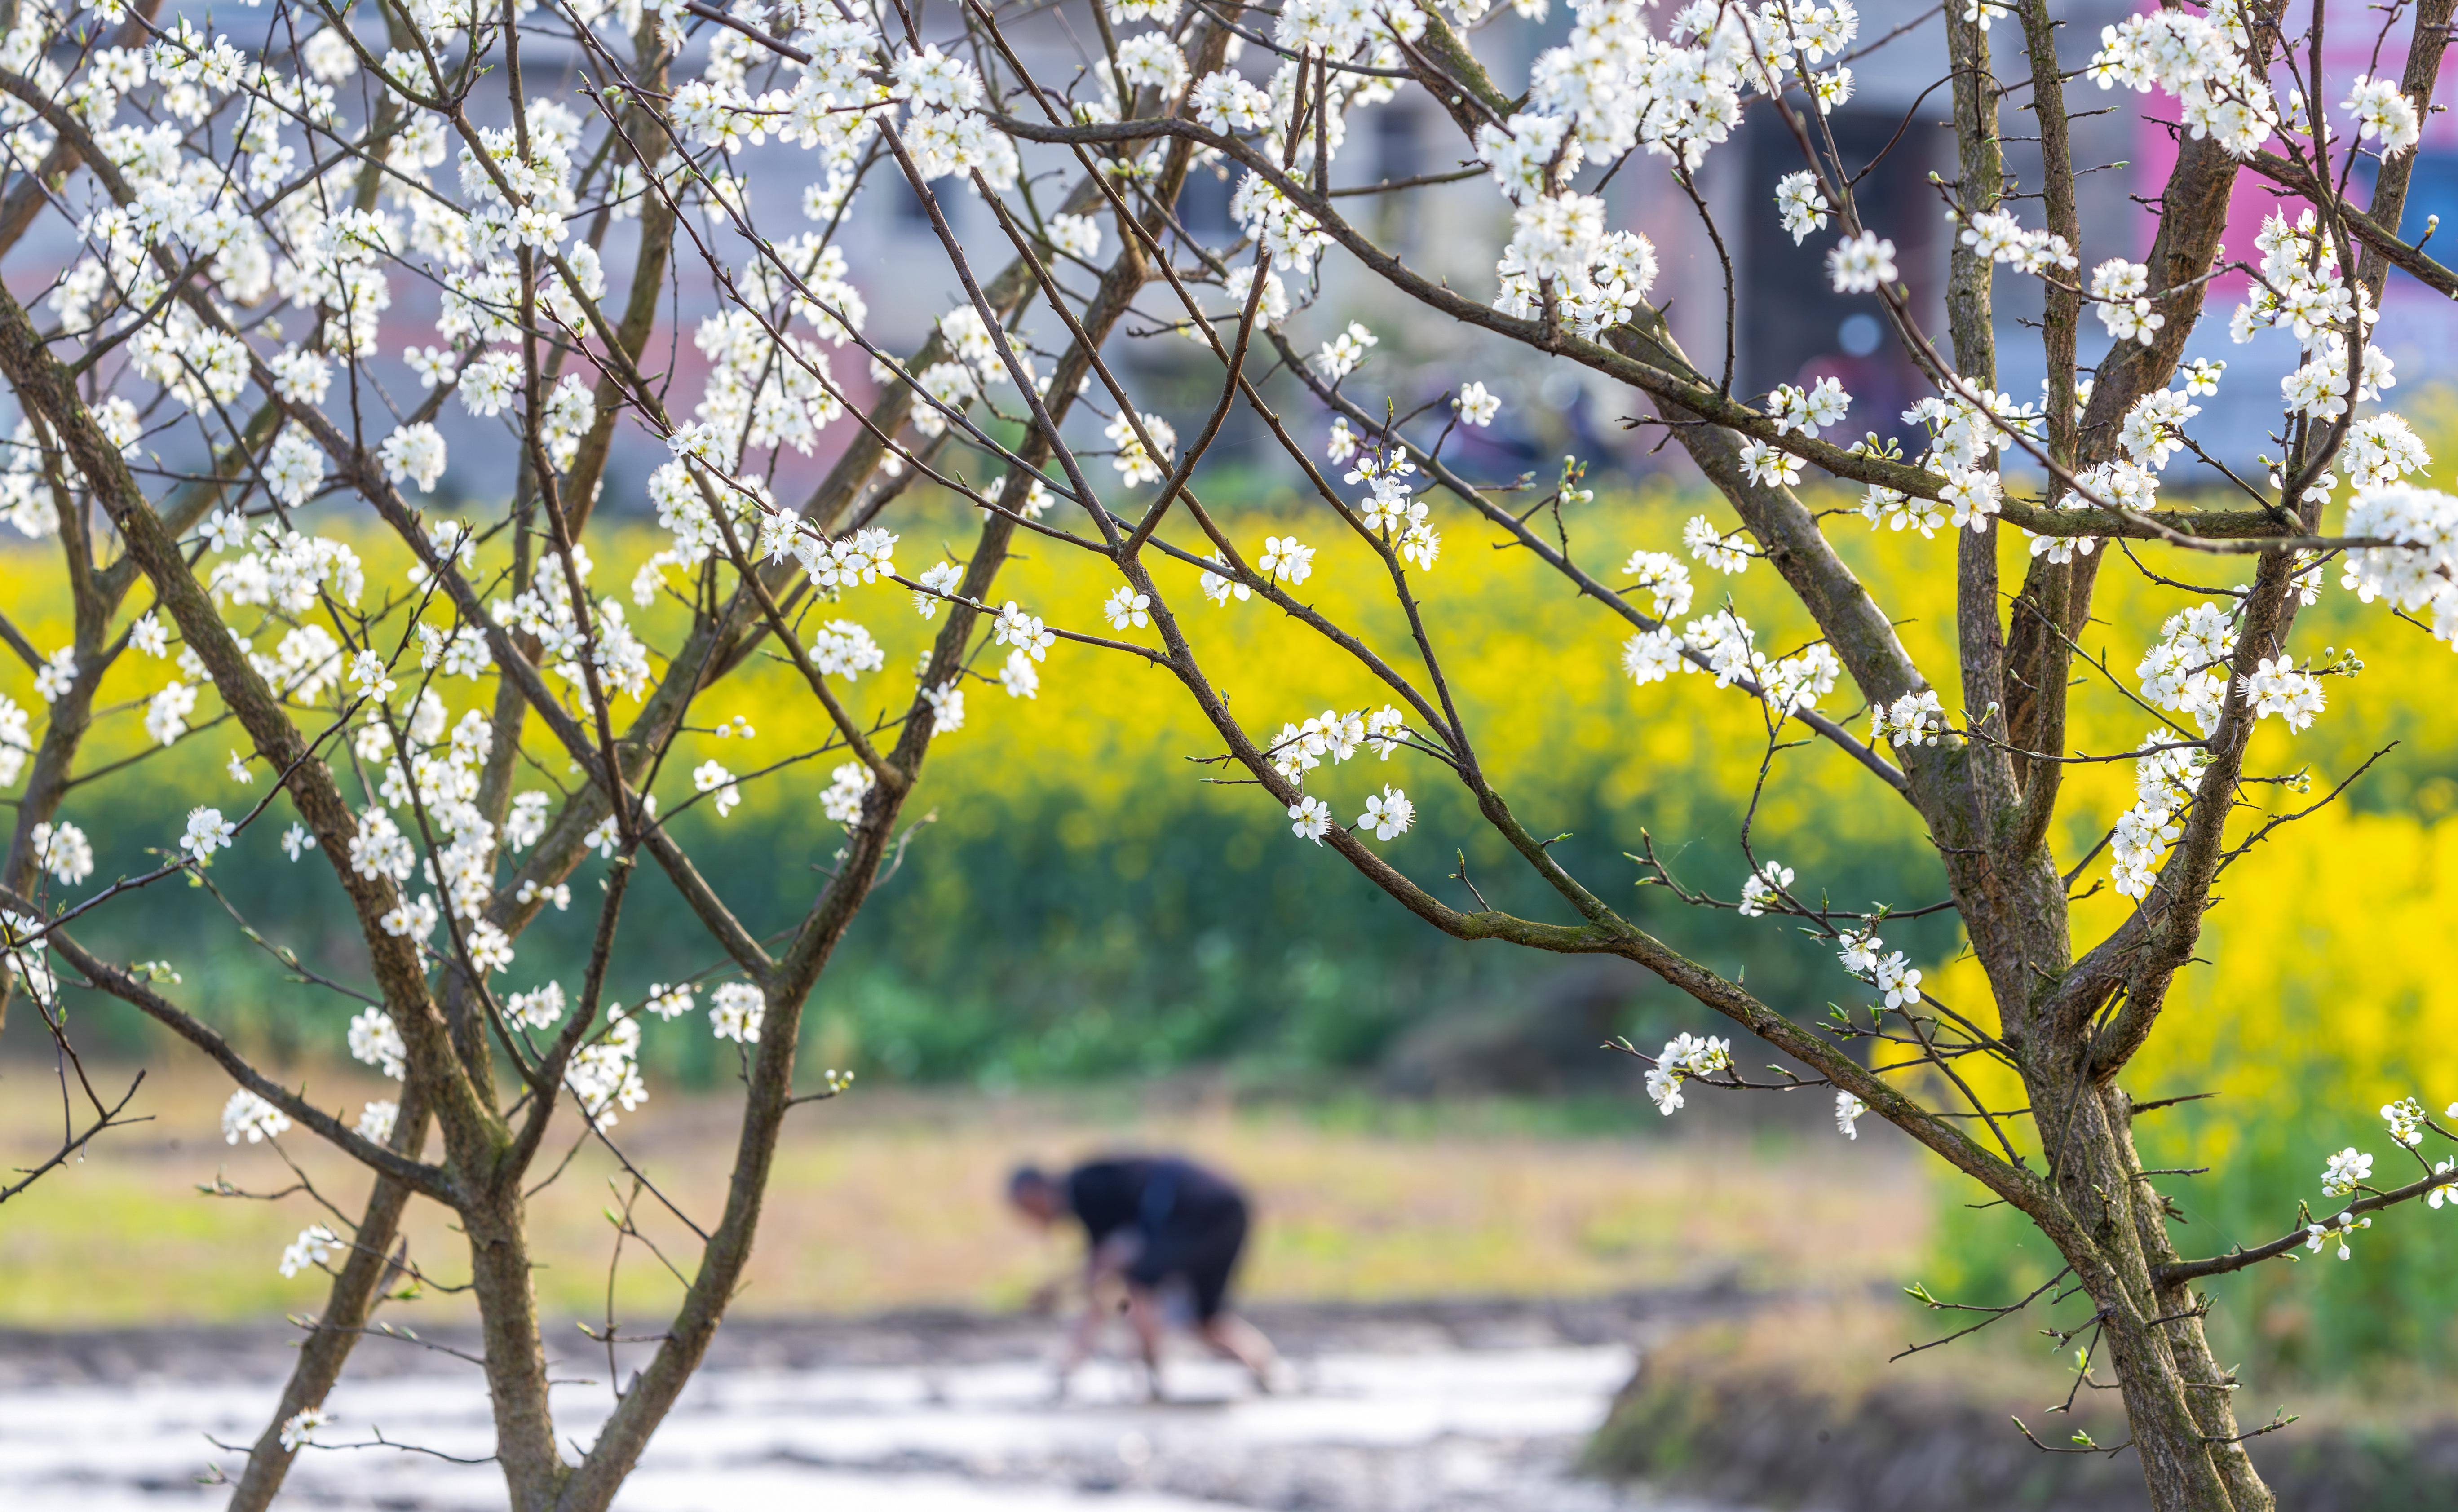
<point x="1143" y="1314"/>
<point x="1242" y="1341"/>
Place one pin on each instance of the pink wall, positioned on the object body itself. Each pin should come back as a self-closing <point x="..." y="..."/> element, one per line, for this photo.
<point x="2352" y="44"/>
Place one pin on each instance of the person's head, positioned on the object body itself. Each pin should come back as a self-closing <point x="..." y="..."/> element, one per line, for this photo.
<point x="1036" y="1194"/>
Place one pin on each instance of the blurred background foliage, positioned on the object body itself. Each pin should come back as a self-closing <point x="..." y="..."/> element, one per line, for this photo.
<point x="1087" y="898"/>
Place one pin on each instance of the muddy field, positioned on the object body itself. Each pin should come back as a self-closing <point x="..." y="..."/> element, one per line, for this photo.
<point x="1421" y="1408"/>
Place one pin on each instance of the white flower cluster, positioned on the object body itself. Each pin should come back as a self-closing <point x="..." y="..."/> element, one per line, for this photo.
<point x="1765" y="888"/>
<point x="2300" y="287"/>
<point x="1800" y="204"/>
<point x="1891" y="972"/>
<point x="1726" y="645"/>
<point x="1285" y="559"/>
<point x="712" y="777"/>
<point x="544" y="610"/>
<point x="207" y="832"/>
<point x="1964" y="439"/>
<point x="63" y="850"/>
<point x="735" y="1011"/>
<point x="2419" y="573"/>
<point x="1134" y="460"/>
<point x="943" y="132"/>
<point x="1686" y="1057"/>
<point x="1388" y="509"/>
<point x="1288" y="236"/>
<point x="768" y="388"/>
<point x="1387" y="813"/>
<point x="1862" y="264"/>
<point x="2380" y="449"/>
<point x="1664" y="577"/>
<point x="1809" y="411"/>
<point x="250" y="1117"/>
<point x="605" y="1074"/>
<point x="2167" y="775"/>
<point x="2141" y="836"/>
<point x="1230" y="104"/>
<point x="2345" y="1171"/>
<point x="1331" y="735"/>
<point x="2169" y="770"/>
<point x="2119" y="292"/>
<point x="281" y="570"/>
<point x="1597" y="280"/>
<point x="2187" y="669"/>
<point x="22" y="953"/>
<point x="2406" y="1120"/>
<point x="1882" y="505"/>
<point x="440" y="777"/>
<point x="538" y="1008"/>
<point x="2338" y="1231"/>
<point x="1713" y="548"/>
<point x="979" y="363"/>
<point x="376" y="1041"/>
<point x="1340" y="356"/>
<point x="2202" y="61"/>
<point x="315" y="1245"/>
<point x="2382" y="109"/>
<point x="1030" y="639"/>
<point x="2275" y="686"/>
<point x="1912" y="719"/>
<point x="16" y="739"/>
<point x="1681" y="94"/>
<point x="299" y="1429"/>
<point x="847" y="786"/>
<point x="1998" y="235"/>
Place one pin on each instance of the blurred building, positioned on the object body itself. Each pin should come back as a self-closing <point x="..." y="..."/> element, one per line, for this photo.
<point x="1785" y="323"/>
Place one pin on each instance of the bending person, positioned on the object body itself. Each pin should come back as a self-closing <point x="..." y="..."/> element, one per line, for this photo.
<point x="1169" y="1232"/>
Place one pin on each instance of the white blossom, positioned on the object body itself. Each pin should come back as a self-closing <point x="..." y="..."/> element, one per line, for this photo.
<point x="376" y="1041"/>
<point x="247" y="1115"/>
<point x="847" y="786"/>
<point x="1387" y="813"/>
<point x="1310" y="818"/>
<point x="299" y="1429"/>
<point x="207" y="832"/>
<point x="314" y="1246"/>
<point x="1764" y="888"/>
<point x="414" y="453"/>
<point x="1286" y="559"/>
<point x="1863" y="263"/>
<point x="1800" y="204"/>
<point x="711" y="777"/>
<point x="735" y="1011"/>
<point x="2345" y="1171"/>
<point x="63" y="850"/>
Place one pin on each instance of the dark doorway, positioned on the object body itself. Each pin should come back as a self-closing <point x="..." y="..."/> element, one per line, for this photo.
<point x="1794" y="328"/>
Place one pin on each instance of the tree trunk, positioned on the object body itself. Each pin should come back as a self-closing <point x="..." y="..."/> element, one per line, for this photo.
<point x="2176" y="1399"/>
<point x="517" y="1375"/>
<point x="347" y="1310"/>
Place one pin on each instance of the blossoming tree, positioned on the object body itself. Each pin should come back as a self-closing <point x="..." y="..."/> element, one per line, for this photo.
<point x="244" y="215"/>
<point x="203" y="382"/>
<point x="1980" y="767"/>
